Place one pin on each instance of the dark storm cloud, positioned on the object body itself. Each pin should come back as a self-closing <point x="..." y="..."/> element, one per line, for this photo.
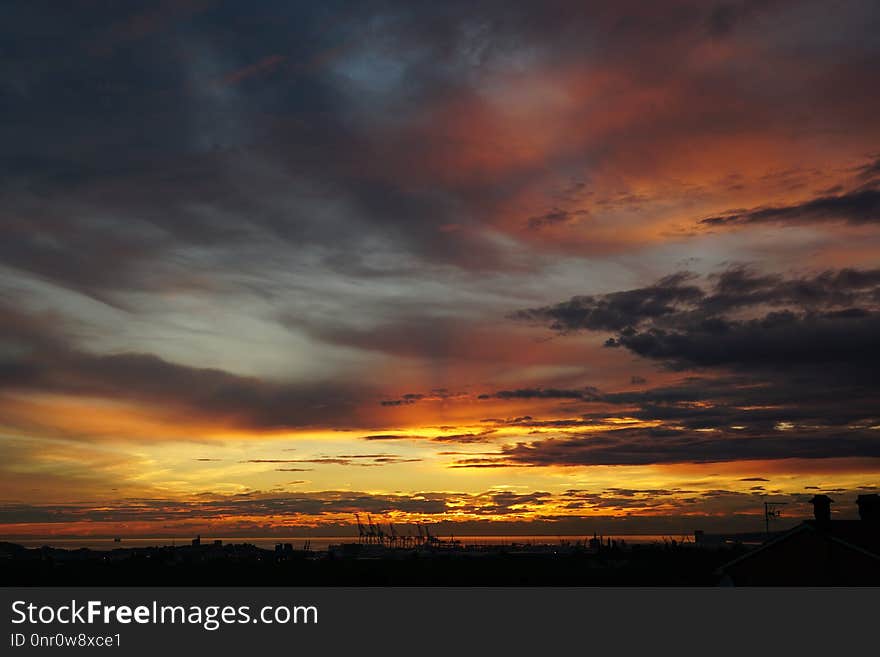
<point x="466" y="438"/>
<point x="200" y="126"/>
<point x="678" y="298"/>
<point x="159" y="150"/>
<point x="529" y="422"/>
<point x="746" y="406"/>
<point x="647" y="446"/>
<point x="739" y="287"/>
<point x="437" y="394"/>
<point x="846" y="342"/>
<point x="829" y="320"/>
<point x="619" y="309"/>
<point x="756" y="411"/>
<point x="858" y="203"/>
<point x="799" y="358"/>
<point x="585" y="394"/>
<point x="861" y="206"/>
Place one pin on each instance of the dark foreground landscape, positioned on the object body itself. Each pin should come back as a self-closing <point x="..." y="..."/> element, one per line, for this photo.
<point x="357" y="564"/>
<point x="817" y="552"/>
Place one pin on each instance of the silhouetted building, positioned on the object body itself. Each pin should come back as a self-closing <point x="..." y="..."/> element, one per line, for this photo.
<point x="284" y="549"/>
<point x="818" y="552"/>
<point x="869" y="507"/>
<point x="821" y="508"/>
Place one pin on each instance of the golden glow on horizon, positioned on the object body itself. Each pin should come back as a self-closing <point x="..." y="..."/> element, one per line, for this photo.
<point x="138" y="456"/>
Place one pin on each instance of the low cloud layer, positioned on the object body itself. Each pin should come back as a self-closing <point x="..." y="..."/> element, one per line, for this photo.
<point x="336" y="509"/>
<point x="665" y="445"/>
<point x="860" y="205"/>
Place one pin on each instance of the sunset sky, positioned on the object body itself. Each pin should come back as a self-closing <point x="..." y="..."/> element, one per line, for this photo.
<point x="554" y="267"/>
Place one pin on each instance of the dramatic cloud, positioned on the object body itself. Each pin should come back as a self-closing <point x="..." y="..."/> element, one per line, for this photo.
<point x="227" y="232"/>
<point x="678" y="297"/>
<point x="35" y="357"/>
<point x="478" y="437"/>
<point x="281" y="139"/>
<point x="619" y="309"/>
<point x="587" y="394"/>
<point x="860" y="206"/>
<point x="806" y="361"/>
<point x="648" y="446"/>
<point x="246" y="511"/>
<point x="827" y="320"/>
<point x="844" y="342"/>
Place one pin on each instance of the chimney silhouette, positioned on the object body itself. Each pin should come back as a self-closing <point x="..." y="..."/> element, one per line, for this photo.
<point x="822" y="509"/>
<point x="869" y="507"/>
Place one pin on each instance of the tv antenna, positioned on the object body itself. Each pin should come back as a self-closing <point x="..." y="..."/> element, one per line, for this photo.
<point x="771" y="513"/>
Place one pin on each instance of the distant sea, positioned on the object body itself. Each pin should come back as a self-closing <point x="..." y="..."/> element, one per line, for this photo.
<point x="319" y="542"/>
